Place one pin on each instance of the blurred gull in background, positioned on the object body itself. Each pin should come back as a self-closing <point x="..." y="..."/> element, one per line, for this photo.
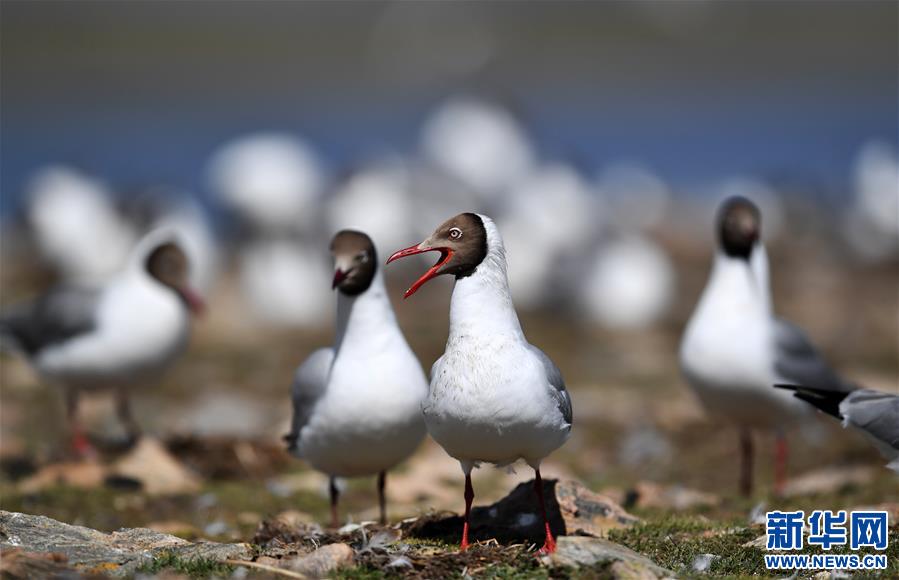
<point x="273" y="181"/>
<point x="376" y="199"/>
<point x="178" y="211"/>
<point x="629" y="284"/>
<point x="286" y="283"/>
<point x="768" y="200"/>
<point x="872" y="223"/>
<point x="76" y="226"/>
<point x="554" y="213"/>
<point x="480" y="143"/>
<point x="636" y="196"/>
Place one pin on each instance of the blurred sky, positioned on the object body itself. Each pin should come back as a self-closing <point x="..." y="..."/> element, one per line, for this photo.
<point x="142" y="93"/>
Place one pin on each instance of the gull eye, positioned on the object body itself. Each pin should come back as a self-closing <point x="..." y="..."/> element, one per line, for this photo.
<point x="362" y="257"/>
<point x="455" y="233"/>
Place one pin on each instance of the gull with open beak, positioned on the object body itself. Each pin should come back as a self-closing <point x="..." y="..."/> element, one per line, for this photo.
<point x="113" y="337"/>
<point x="494" y="397"/>
<point x="357" y="405"/>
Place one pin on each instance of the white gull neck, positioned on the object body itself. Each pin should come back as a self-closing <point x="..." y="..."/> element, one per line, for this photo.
<point x="481" y="303"/>
<point x="733" y="280"/>
<point x="365" y="317"/>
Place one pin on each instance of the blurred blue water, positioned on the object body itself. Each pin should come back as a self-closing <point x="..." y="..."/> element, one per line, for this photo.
<point x="142" y="95"/>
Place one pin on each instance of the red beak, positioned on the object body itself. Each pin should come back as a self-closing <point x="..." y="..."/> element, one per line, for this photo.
<point x="446" y="255"/>
<point x="339" y="276"/>
<point x="194" y="302"/>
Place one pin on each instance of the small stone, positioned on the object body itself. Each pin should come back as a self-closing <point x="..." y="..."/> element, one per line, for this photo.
<point x="829" y="480"/>
<point x="81" y="474"/>
<point x="175" y="528"/>
<point x="322" y="561"/>
<point x="157" y="470"/>
<point x="703" y="562"/>
<point x="583" y="551"/>
<point x="622" y="570"/>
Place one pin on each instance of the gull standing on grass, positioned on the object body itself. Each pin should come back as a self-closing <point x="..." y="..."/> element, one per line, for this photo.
<point x="125" y="332"/>
<point x="357" y="405"/>
<point x="735" y="350"/>
<point x="494" y="397"/>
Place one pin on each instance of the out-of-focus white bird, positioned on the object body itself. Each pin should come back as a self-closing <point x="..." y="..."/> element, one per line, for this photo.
<point x="286" y="282"/>
<point x="76" y="226"/>
<point x="357" y="406"/>
<point x="550" y="213"/>
<point x="629" y="284"/>
<point x="272" y="180"/>
<point x="872" y="222"/>
<point x="125" y="332"/>
<point x="376" y="199"/>
<point x="764" y="196"/>
<point x="480" y="143"/>
<point x="734" y="350"/>
<point x="178" y="211"/>
<point x="635" y="196"/>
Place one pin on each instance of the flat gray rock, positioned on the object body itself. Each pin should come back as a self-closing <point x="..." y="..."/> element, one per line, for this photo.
<point x="583" y="551"/>
<point x="119" y="553"/>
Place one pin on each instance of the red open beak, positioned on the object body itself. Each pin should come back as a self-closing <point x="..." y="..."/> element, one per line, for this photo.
<point x="194" y="301"/>
<point x="446" y="255"/>
<point x="339" y="276"/>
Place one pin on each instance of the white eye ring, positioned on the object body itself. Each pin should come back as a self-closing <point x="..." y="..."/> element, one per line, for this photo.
<point x="362" y="257"/>
<point x="455" y="233"/>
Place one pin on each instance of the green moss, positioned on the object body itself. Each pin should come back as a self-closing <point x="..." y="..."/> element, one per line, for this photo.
<point x="193" y="567"/>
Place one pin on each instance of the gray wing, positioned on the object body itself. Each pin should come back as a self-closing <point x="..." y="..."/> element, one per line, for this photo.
<point x="797" y="361"/>
<point x="554" y="376"/>
<point x="875" y="413"/>
<point x="308" y="386"/>
<point x="56" y="317"/>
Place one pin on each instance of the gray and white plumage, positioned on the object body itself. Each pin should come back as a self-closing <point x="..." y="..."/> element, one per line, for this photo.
<point x="874" y="413"/>
<point x="122" y="332"/>
<point x="357" y="405"/>
<point x="494" y="397"/>
<point x="309" y="384"/>
<point x="798" y="361"/>
<point x="554" y="377"/>
<point x="61" y="314"/>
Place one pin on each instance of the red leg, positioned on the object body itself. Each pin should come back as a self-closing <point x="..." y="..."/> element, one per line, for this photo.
<point x="549" y="545"/>
<point x="781" y="455"/>
<point x="332" y="488"/>
<point x="79" y="442"/>
<point x="745" y="462"/>
<point x="469" y="497"/>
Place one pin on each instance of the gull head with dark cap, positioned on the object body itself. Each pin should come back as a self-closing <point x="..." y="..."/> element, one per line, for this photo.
<point x="739" y="227"/>
<point x="168" y="264"/>
<point x="355" y="262"/>
<point x="462" y="243"/>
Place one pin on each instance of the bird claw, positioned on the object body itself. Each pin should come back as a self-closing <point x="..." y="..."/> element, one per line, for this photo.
<point x="548" y="547"/>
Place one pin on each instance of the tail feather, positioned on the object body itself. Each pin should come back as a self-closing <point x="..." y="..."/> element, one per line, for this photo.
<point x="825" y="400"/>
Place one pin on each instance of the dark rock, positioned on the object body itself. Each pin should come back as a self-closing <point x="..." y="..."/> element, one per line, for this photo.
<point x="571" y="509"/>
<point x="119" y="553"/>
